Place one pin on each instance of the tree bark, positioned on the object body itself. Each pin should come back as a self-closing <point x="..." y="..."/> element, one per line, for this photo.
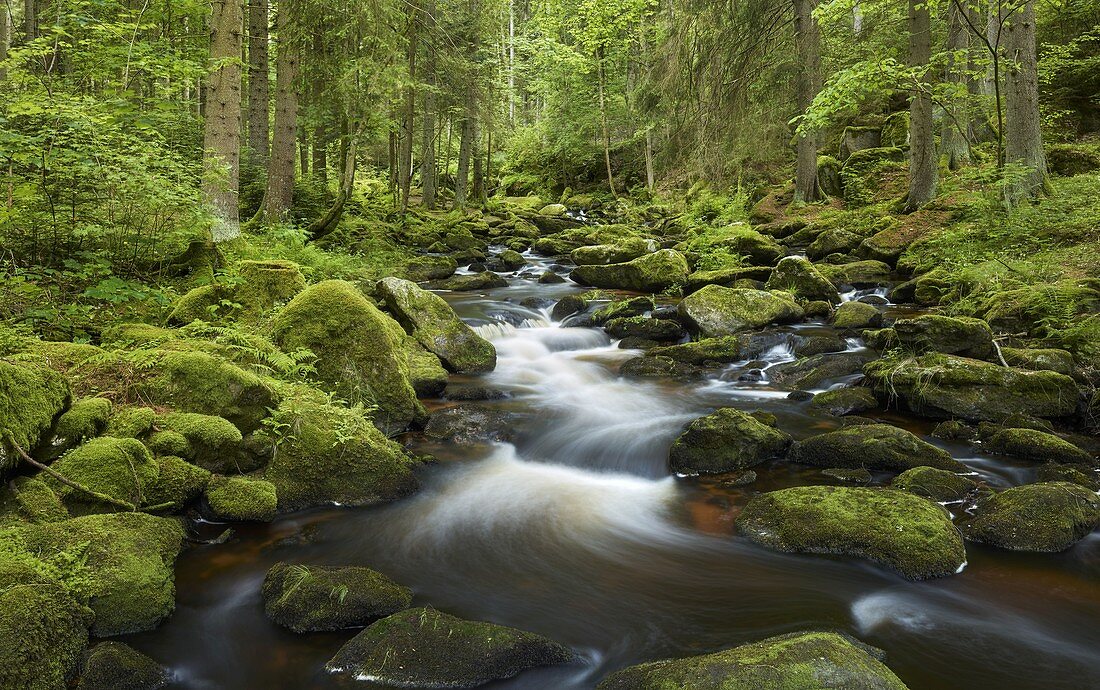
<point x="603" y="120"/>
<point x="259" y="90"/>
<point x="405" y="165"/>
<point x="922" y="145"/>
<point x="280" y="172"/>
<point x="477" y="176"/>
<point x="329" y="222"/>
<point x="956" y="123"/>
<point x="5" y="36"/>
<point x="1023" y="134"/>
<point x="465" y="145"/>
<point x="30" y="19"/>
<point x="427" y="147"/>
<point x="808" y="38"/>
<point x="222" y="132"/>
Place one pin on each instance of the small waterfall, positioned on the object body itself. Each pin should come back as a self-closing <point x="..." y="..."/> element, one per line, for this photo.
<point x="501" y="330"/>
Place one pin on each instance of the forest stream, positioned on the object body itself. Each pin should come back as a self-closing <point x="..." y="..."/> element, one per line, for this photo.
<point x="573" y="528"/>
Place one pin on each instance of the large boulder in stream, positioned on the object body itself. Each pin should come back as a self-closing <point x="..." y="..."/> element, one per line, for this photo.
<point x="648" y="273"/>
<point x="1051" y="516"/>
<point x="797" y="661"/>
<point x="486" y="280"/>
<point x="951" y="335"/>
<point x="627" y="249"/>
<point x="30" y="400"/>
<point x="360" y="350"/>
<point x="118" y="666"/>
<point x="434" y="324"/>
<point x="939" y="485"/>
<point x="1037" y="446"/>
<point x="309" y="598"/>
<point x="796" y="275"/>
<point x="717" y="311"/>
<point x="896" y="529"/>
<point x="813" y="372"/>
<point x="725" y="441"/>
<point x="427" y="648"/>
<point x="873" y="447"/>
<point x="947" y="386"/>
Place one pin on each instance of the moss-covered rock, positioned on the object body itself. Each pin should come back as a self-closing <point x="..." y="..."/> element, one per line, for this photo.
<point x="856" y="274"/>
<point x="1037" y="446"/>
<point x="658" y="330"/>
<point x="260" y="286"/>
<point x="802" y="279"/>
<point x="424" y="268"/>
<point x="130" y="422"/>
<point x="724" y="441"/>
<point x="307" y="598"/>
<point x="832" y="241"/>
<point x="813" y="372"/>
<point x="29" y="500"/>
<point x="127" y="579"/>
<point x="648" y="273"/>
<point x="117" y="666"/>
<point x="939" y="485"/>
<point x="947" y="386"/>
<point x="874" y="447"/>
<point x="725" y="276"/>
<point x="426" y="372"/>
<point x="178" y="483"/>
<point x="899" y="530"/>
<point x="211" y="442"/>
<point x="627" y="249"/>
<point x="659" y="367"/>
<point x="722" y="350"/>
<point x="621" y="309"/>
<point x="798" y="661"/>
<point x="1039" y="359"/>
<point x="332" y="455"/>
<point x="360" y="349"/>
<point x="856" y="315"/>
<point x="1084" y="475"/>
<point x="842" y="401"/>
<point x="434" y="324"/>
<point x="86" y="419"/>
<point x="169" y="443"/>
<point x="485" y="280"/>
<point x="1051" y="516"/>
<point x="121" y="468"/>
<point x="242" y="498"/>
<point x="718" y="311"/>
<point x="30" y="399"/>
<point x="963" y="336"/>
<point x="756" y="248"/>
<point x="427" y="648"/>
<point x="1073" y="159"/>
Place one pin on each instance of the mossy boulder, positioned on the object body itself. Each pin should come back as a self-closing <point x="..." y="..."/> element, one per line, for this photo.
<point x="721" y="350"/>
<point x="658" y="330"/>
<point x="426" y="373"/>
<point x="725" y="276"/>
<point x="30" y="399"/>
<point x="117" y="666"/>
<point x="1037" y="446"/>
<point x="242" y="498"/>
<point x="621" y="309"/>
<point x="178" y="483"/>
<point x="334" y="456"/>
<point x="1051" y="516"/>
<point x="211" y="442"/>
<point x="511" y="260"/>
<point x="85" y="419"/>
<point x="260" y="286"/>
<point x="856" y="274"/>
<point x="121" y="468"/>
<point x="627" y="249"/>
<point x="434" y="324"/>
<point x="126" y="577"/>
<point x="856" y="315"/>
<point x="130" y="422"/>
<point x="842" y="401"/>
<point x="939" y="485"/>
<point x="1084" y="475"/>
<point x="874" y="447"/>
<point x="831" y="241"/>
<point x="947" y="386"/>
<point x="725" y="441"/>
<point x="963" y="336"/>
<point x="813" y="372"/>
<point x="308" y="598"/>
<point x="1039" y="359"/>
<point x="798" y="661"/>
<point x="756" y="248"/>
<point x="360" y="350"/>
<point x="169" y="443"/>
<point x="29" y="500"/>
<point x="485" y="280"/>
<point x="896" y="529"/>
<point x="718" y="311"/>
<point x="648" y="273"/>
<point x="424" y="268"/>
<point x="1073" y="159"/>
<point x="427" y="648"/>
<point x="801" y="278"/>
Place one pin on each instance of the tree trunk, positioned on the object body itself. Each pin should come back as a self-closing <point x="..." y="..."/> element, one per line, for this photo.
<point x="280" y="171"/>
<point x="427" y="148"/>
<point x="956" y="123"/>
<point x="259" y="91"/>
<point x="922" y="145"/>
<point x="405" y="165"/>
<point x="477" y="182"/>
<point x="603" y="120"/>
<point x="329" y="222"/>
<point x="222" y="133"/>
<point x="465" y="146"/>
<point x="5" y="36"/>
<point x="320" y="153"/>
<point x="303" y="151"/>
<point x="808" y="38"/>
<point x="1023" y="135"/>
<point x="30" y="19"/>
<point x="650" y="175"/>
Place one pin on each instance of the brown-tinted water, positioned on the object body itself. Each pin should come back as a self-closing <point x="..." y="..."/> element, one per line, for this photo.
<point x="577" y="531"/>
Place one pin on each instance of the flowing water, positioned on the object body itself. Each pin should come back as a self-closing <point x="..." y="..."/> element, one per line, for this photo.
<point x="576" y="531"/>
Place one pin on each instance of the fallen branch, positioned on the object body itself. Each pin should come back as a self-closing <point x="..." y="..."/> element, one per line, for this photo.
<point x="65" y="480"/>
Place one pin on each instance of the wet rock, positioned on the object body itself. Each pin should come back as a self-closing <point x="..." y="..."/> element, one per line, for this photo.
<point x="717" y="311"/>
<point x="434" y="324"/>
<point x="857" y="274"/>
<point x="736" y="479"/>
<point x="550" y="278"/>
<point x="485" y="280"/>
<point x="938" y="385"/>
<point x="512" y="260"/>
<point x="796" y="661"/>
<point x="474" y="393"/>
<point x="726" y="440"/>
<point x="832" y="241"/>
<point x="800" y="396"/>
<point x="809" y="346"/>
<point x="842" y="401"/>
<point x="954" y="430"/>
<point x="310" y="598"/>
<point x="873" y="446"/>
<point x="30" y="400"/>
<point x="725" y="276"/>
<point x="649" y="273"/>
<point x="471" y="424"/>
<point x="424" y="268"/>
<point x="896" y="529"/>
<point x="645" y="328"/>
<point x="812" y="372"/>
<point x="635" y="306"/>
<point x="1039" y="359"/>
<point x="428" y="648"/>
<point x="801" y="278"/>
<point x="1037" y="446"/>
<point x="709" y="350"/>
<point x="848" y="475"/>
<point x="817" y="309"/>
<point x="752" y="374"/>
<point x="242" y="499"/>
<point x="856" y="315"/>
<point x="620" y="252"/>
<point x="657" y="367"/>
<point x="477" y="267"/>
<point x="961" y="336"/>
<point x="117" y="666"/>
<point x="941" y="486"/>
<point x="881" y="339"/>
<point x="1084" y="475"/>
<point x="567" y="306"/>
<point x="426" y="373"/>
<point x="637" y="343"/>
<point x="875" y="300"/>
<point x="579" y="321"/>
<point x="537" y="303"/>
<point x="1046" y="517"/>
